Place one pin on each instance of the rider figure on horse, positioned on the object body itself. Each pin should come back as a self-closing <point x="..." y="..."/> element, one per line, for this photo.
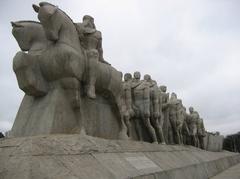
<point x="91" y="41"/>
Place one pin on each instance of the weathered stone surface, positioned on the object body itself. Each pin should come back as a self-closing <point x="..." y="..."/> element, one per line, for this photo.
<point x="50" y="114"/>
<point x="54" y="114"/>
<point x="76" y="156"/>
<point x="213" y="142"/>
<point x="231" y="173"/>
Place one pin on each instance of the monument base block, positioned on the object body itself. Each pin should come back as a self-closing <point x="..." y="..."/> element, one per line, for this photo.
<point x="85" y="157"/>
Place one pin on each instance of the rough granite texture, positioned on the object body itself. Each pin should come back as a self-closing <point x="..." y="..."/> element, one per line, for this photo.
<point x="85" y="157"/>
<point x="213" y="143"/>
<point x="231" y="173"/>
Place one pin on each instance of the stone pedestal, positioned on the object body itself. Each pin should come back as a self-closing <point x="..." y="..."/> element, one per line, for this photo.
<point x="63" y="111"/>
<point x="85" y="157"/>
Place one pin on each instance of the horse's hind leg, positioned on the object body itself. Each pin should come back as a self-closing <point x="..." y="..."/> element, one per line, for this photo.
<point x="123" y="128"/>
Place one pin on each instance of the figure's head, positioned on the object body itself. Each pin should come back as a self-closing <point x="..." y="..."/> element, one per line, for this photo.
<point x="147" y="77"/>
<point x="174" y="95"/>
<point x="89" y="21"/>
<point x="47" y="14"/>
<point x="127" y="76"/>
<point x="163" y="88"/>
<point x="137" y="75"/>
<point x="191" y="109"/>
<point x="27" y="32"/>
<point x="180" y="101"/>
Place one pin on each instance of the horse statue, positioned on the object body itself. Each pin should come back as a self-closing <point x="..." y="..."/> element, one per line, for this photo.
<point x="55" y="57"/>
<point x="31" y="38"/>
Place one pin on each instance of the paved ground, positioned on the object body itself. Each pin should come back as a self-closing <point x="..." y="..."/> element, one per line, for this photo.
<point x="231" y="173"/>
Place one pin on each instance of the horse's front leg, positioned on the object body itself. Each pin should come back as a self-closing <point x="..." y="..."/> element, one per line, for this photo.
<point x="29" y="75"/>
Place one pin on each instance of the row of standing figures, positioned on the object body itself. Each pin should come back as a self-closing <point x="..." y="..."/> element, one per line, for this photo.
<point x="149" y="107"/>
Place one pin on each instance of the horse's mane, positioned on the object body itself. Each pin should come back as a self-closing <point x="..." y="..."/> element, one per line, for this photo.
<point x="29" y="21"/>
<point x="47" y="3"/>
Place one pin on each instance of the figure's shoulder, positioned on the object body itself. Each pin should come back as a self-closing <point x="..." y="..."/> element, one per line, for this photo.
<point x="126" y="85"/>
<point x="98" y="34"/>
<point x="154" y="82"/>
<point x="142" y="85"/>
<point x="134" y="83"/>
<point x="167" y="94"/>
<point x="79" y="26"/>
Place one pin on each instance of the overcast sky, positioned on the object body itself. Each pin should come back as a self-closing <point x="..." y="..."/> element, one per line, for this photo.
<point x="191" y="46"/>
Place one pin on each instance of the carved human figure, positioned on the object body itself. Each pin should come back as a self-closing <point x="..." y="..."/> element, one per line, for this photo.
<point x="136" y="82"/>
<point x="192" y="124"/>
<point x="173" y="108"/>
<point x="91" y="40"/>
<point x="156" y="115"/>
<point x="180" y="121"/>
<point x="201" y="133"/>
<point x="167" y="129"/>
<point x="127" y="102"/>
<point x="141" y="98"/>
<point x="185" y="129"/>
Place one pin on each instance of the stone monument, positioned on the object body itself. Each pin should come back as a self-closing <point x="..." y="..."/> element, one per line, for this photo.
<point x="78" y="119"/>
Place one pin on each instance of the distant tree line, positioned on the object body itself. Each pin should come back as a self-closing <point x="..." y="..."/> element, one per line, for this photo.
<point x="232" y="143"/>
<point x="1" y="135"/>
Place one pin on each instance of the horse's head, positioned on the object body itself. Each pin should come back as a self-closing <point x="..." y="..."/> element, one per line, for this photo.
<point x="47" y="14"/>
<point x="26" y="33"/>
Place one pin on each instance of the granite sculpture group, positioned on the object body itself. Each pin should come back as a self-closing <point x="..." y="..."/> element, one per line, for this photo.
<point x="70" y="88"/>
<point x="164" y="118"/>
